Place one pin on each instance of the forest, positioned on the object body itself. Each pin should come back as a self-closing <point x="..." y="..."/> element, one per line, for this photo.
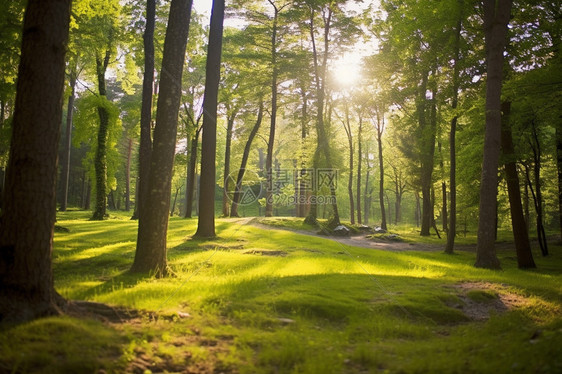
<point x="280" y="186"/>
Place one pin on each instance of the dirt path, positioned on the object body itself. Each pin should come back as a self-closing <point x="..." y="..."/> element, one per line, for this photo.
<point x="364" y="242"/>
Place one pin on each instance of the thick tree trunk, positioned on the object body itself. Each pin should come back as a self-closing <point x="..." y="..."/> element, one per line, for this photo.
<point x="238" y="188"/>
<point x="191" y="178"/>
<point x="145" y="147"/>
<point x="519" y="228"/>
<point x="67" y="141"/>
<point x="150" y="255"/>
<point x="28" y="215"/>
<point x="496" y="18"/>
<point x="100" y="158"/>
<point x="206" y="221"/>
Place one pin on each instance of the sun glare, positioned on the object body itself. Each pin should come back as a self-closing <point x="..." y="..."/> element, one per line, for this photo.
<point x="346" y="71"/>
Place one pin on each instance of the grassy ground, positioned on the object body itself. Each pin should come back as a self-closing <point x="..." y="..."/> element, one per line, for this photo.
<point x="262" y="300"/>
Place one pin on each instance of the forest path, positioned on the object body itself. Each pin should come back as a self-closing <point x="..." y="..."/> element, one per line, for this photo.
<point x="364" y="242"/>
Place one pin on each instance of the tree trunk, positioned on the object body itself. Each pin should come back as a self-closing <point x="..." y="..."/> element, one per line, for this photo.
<point x="381" y="171"/>
<point x="28" y="215"/>
<point x="191" y="178"/>
<point x="67" y="143"/>
<point x="271" y="140"/>
<point x="238" y="187"/>
<point x="367" y="197"/>
<point x="452" y="232"/>
<point x="359" y="157"/>
<point x="145" y="147"/>
<point x="226" y="176"/>
<point x="559" y="168"/>
<point x="323" y="144"/>
<point x="520" y="233"/>
<point x="541" y="234"/>
<point x="496" y="18"/>
<point x="128" y="176"/>
<point x="206" y="221"/>
<point x="347" y="127"/>
<point x="427" y="145"/>
<point x="150" y="255"/>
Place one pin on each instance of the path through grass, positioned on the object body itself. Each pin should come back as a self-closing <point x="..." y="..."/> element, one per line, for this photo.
<point x="259" y="300"/>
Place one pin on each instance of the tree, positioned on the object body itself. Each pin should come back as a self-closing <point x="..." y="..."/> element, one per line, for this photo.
<point x="28" y="215"/>
<point x="153" y="220"/>
<point x="519" y="227"/>
<point x="73" y="76"/>
<point x="206" y="220"/>
<point x="496" y="19"/>
<point x="145" y="147"/>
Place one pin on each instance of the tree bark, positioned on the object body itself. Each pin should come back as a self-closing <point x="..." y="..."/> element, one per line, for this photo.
<point x="452" y="232"/>
<point x="28" y="215"/>
<point x="150" y="255"/>
<point x="347" y="127"/>
<point x="100" y="158"/>
<point x="271" y="140"/>
<point x="128" y="175"/>
<point x="519" y="228"/>
<point x="427" y="147"/>
<point x="496" y="18"/>
<point x="67" y="143"/>
<point x="226" y="176"/>
<point x="145" y="147"/>
<point x="206" y="220"/>
<point x="191" y="174"/>
<point x="359" y="157"/>
<point x="559" y="169"/>
<point x="380" y="127"/>
<point x="238" y="187"/>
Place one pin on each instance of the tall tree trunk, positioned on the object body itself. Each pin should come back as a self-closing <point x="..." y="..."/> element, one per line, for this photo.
<point x="302" y="207"/>
<point x="145" y="147"/>
<point x="559" y="168"/>
<point x="519" y="228"/>
<point x="271" y="140"/>
<point x="206" y="220"/>
<point x="347" y="127"/>
<point x="150" y="255"/>
<point x="496" y="18"/>
<point x="226" y="176"/>
<point x="191" y="177"/>
<point x="128" y="176"/>
<point x="427" y="144"/>
<point x="443" y="193"/>
<point x="323" y="144"/>
<point x="100" y="158"/>
<point x="537" y="155"/>
<point x="67" y="143"/>
<point x="28" y="215"/>
<point x="238" y="187"/>
<point x="379" y="129"/>
<point x="359" y="157"/>
<point x="452" y="232"/>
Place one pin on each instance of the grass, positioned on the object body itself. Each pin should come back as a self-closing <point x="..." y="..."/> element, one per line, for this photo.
<point x="262" y="300"/>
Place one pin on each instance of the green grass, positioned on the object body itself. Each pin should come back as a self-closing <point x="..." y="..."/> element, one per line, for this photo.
<point x="263" y="300"/>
